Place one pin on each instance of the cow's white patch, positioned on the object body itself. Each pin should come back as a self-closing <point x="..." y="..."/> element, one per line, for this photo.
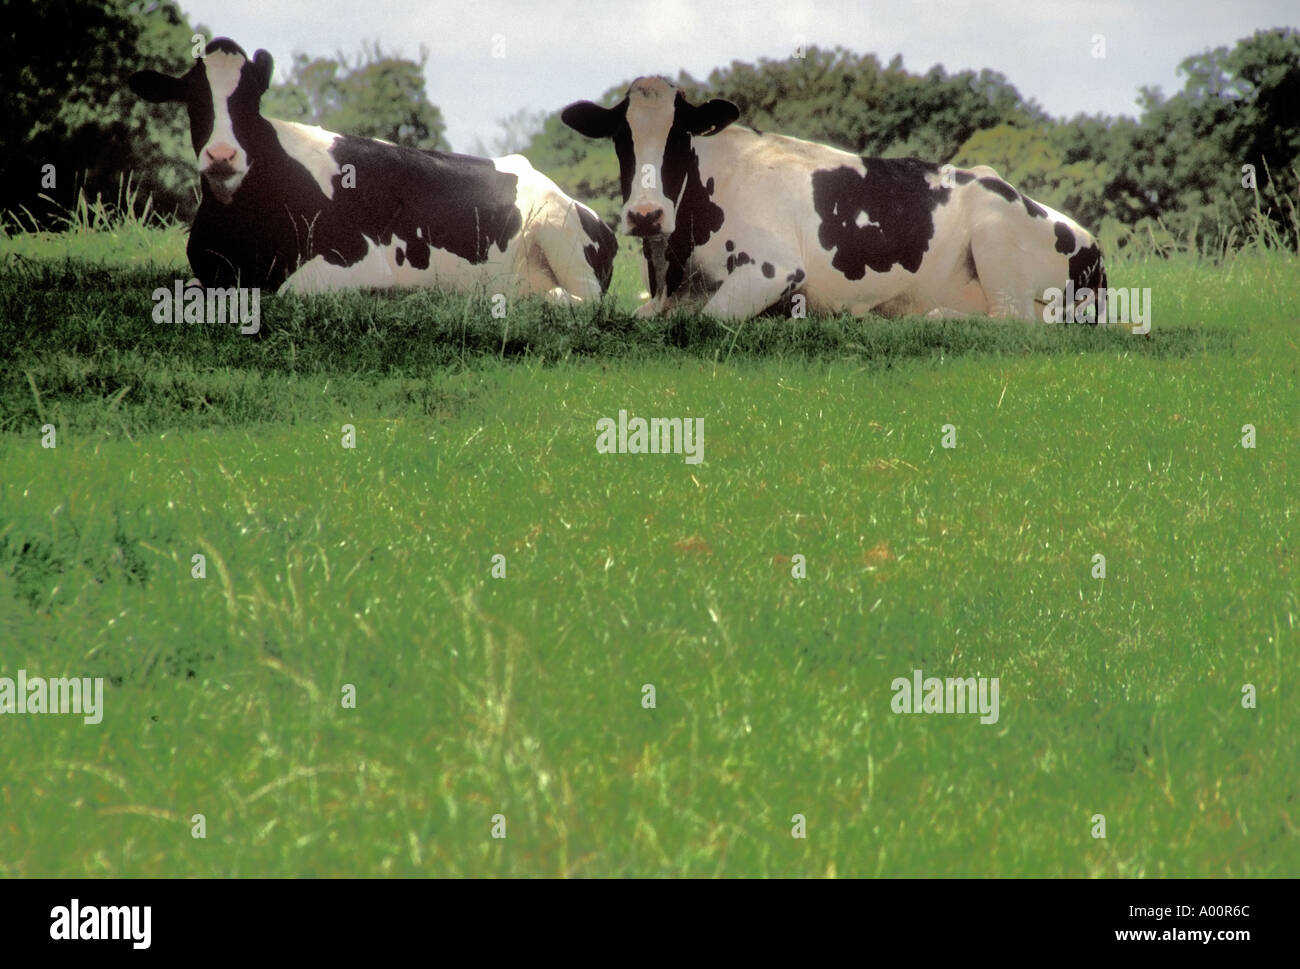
<point x="650" y="110"/>
<point x="863" y="220"/>
<point x="223" y="72"/>
<point x="312" y="147"/>
<point x="379" y="269"/>
<point x="513" y="165"/>
<point x="373" y="270"/>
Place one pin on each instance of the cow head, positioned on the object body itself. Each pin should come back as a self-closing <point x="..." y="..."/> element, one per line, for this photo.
<point x="223" y="92"/>
<point x="652" y="128"/>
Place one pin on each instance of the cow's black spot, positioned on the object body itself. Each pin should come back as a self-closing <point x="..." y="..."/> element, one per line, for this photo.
<point x="401" y="257"/>
<point x="896" y="205"/>
<point x="202" y="115"/>
<point x="965" y="178"/>
<point x="738" y="260"/>
<point x="698" y="217"/>
<point x="624" y="150"/>
<point x="999" y="187"/>
<point x="1087" y="268"/>
<point x="769" y="270"/>
<point x="729" y="245"/>
<point x="1035" y="210"/>
<point x="604" y="246"/>
<point x="783" y="305"/>
<point x="1064" y="239"/>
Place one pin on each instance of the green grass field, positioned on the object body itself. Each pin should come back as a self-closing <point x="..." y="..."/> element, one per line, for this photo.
<point x="522" y="696"/>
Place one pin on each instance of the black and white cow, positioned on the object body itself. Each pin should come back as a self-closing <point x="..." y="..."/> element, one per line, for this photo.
<point x="295" y="205"/>
<point x="745" y="221"/>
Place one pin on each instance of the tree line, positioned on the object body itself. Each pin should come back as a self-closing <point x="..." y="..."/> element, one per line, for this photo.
<point x="1218" y="154"/>
<point x="1195" y="166"/>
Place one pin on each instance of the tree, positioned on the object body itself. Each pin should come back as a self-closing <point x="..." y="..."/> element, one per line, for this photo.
<point x="517" y="131"/>
<point x="375" y="96"/>
<point x="67" y="104"/>
<point x="1178" y="169"/>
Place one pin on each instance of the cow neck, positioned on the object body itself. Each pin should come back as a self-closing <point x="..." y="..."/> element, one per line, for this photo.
<point x="698" y="216"/>
<point x="273" y="172"/>
<point x="265" y="153"/>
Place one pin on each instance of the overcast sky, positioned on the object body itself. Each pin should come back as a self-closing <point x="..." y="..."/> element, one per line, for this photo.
<point x="490" y="58"/>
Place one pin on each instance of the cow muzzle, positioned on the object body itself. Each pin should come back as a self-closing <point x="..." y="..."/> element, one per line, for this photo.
<point x="645" y="220"/>
<point x="223" y="170"/>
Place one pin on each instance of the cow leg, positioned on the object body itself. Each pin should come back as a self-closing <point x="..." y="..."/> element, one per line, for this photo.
<point x="651" y="307"/>
<point x="559" y="238"/>
<point x="562" y="297"/>
<point x="754" y="287"/>
<point x="313" y="276"/>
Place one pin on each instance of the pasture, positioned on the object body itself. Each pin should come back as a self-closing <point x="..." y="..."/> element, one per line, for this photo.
<point x="522" y="696"/>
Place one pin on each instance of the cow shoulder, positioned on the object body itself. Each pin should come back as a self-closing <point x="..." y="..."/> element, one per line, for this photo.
<point x="310" y="147"/>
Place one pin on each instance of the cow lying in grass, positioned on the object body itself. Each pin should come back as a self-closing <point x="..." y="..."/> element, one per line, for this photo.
<point x="744" y="222"/>
<point x="292" y="205"/>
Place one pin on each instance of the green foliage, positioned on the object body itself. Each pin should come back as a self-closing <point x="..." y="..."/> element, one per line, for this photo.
<point x="377" y="95"/>
<point x="67" y="105"/>
<point x="850" y="101"/>
<point x="86" y="232"/>
<point x="515" y="132"/>
<point x="1238" y="107"/>
<point x="1176" y="173"/>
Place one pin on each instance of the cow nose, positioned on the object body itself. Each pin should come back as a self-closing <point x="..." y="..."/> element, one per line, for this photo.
<point x="220" y="152"/>
<point x="645" y="220"/>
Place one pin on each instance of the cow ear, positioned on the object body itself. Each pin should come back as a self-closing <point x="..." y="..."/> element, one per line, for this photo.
<point x="156" y="87"/>
<point x="263" y="65"/>
<point x="712" y="117"/>
<point x="590" y="119"/>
